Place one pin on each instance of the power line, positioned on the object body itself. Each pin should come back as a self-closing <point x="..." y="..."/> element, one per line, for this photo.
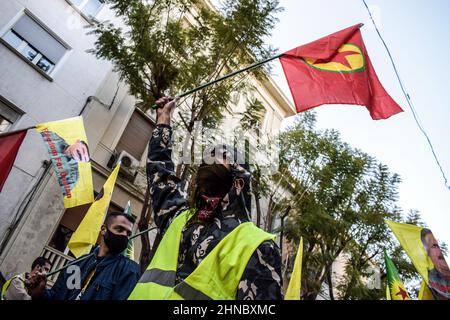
<point x="408" y="98"/>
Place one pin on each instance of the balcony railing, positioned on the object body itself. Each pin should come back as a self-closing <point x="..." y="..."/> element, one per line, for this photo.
<point x="58" y="259"/>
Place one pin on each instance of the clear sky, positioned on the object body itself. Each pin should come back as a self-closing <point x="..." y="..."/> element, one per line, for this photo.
<point x="418" y="34"/>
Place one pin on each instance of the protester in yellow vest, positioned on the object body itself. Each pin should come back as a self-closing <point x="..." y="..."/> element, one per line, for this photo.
<point x="210" y="249"/>
<point x="25" y="286"/>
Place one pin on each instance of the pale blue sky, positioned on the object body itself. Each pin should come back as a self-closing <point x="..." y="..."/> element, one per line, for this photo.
<point x="418" y="34"/>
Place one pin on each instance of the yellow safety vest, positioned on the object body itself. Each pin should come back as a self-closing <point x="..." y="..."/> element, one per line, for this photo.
<point x="216" y="277"/>
<point x="6" y="286"/>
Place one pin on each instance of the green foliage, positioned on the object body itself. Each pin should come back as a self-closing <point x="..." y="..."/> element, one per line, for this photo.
<point x="253" y="115"/>
<point x="171" y="46"/>
<point x="340" y="200"/>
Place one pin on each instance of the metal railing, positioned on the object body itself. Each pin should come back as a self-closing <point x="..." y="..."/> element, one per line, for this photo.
<point x="58" y="259"/>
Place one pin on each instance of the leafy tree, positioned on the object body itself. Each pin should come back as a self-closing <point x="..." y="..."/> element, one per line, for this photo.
<point x="342" y="197"/>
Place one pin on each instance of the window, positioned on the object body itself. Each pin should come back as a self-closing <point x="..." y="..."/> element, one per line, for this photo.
<point x="8" y="115"/>
<point x="136" y="136"/>
<point x="35" y="44"/>
<point x="5" y="124"/>
<point x="89" y="8"/>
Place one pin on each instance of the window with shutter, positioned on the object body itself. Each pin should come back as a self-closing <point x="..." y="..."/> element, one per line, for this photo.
<point x="8" y="115"/>
<point x="34" y="43"/>
<point x="89" y="8"/>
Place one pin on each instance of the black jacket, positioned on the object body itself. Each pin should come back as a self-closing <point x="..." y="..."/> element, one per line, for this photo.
<point x="114" y="279"/>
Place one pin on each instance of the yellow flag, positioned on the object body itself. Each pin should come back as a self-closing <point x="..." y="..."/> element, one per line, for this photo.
<point x="425" y="293"/>
<point x="409" y="237"/>
<point x="428" y="259"/>
<point x="388" y="293"/>
<point x="295" y="284"/>
<point x="68" y="149"/>
<point x="85" y="237"/>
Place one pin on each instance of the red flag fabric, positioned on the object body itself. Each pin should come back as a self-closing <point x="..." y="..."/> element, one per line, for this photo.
<point x="336" y="70"/>
<point x="9" y="146"/>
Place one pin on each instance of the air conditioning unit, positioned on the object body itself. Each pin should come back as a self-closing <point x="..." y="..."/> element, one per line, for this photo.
<point x="128" y="164"/>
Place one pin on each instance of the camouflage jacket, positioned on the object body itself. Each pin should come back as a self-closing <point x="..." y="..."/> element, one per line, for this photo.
<point x="262" y="277"/>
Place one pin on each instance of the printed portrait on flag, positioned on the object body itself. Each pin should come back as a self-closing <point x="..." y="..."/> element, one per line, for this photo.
<point x="439" y="275"/>
<point x="72" y="155"/>
<point x="423" y="249"/>
<point x="67" y="146"/>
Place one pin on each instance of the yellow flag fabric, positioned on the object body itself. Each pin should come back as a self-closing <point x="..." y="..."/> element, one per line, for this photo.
<point x="68" y="149"/>
<point x="295" y="284"/>
<point x="409" y="237"/>
<point x="388" y="293"/>
<point x="85" y="237"/>
<point x="425" y="292"/>
<point x="428" y="259"/>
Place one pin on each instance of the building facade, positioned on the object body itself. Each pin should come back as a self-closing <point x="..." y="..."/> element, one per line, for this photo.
<point x="47" y="75"/>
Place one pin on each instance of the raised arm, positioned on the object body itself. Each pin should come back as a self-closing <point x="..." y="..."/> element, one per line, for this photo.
<point x="165" y="189"/>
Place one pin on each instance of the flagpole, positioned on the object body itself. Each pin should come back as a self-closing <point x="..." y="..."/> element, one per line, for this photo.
<point x="142" y="232"/>
<point x="232" y="74"/>
<point x="82" y="258"/>
<point x="67" y="265"/>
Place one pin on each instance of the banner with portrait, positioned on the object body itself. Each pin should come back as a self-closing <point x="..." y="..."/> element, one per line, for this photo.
<point x="68" y="149"/>
<point x="423" y="249"/>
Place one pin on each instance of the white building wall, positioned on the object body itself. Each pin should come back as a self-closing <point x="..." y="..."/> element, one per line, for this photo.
<point x="64" y="94"/>
<point x="76" y="78"/>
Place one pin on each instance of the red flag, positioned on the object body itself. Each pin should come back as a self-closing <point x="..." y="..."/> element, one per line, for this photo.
<point x="9" y="146"/>
<point x="336" y="70"/>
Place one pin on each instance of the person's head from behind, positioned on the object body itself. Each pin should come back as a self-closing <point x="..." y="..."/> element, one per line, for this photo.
<point x="41" y="265"/>
<point x="434" y="251"/>
<point x="116" y="231"/>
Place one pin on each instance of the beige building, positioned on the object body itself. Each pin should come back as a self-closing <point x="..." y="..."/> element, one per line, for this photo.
<point x="338" y="272"/>
<point x="46" y="75"/>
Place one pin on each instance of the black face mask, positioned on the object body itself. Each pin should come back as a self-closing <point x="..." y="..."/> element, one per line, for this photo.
<point x="213" y="180"/>
<point x="116" y="243"/>
<point x="213" y="183"/>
